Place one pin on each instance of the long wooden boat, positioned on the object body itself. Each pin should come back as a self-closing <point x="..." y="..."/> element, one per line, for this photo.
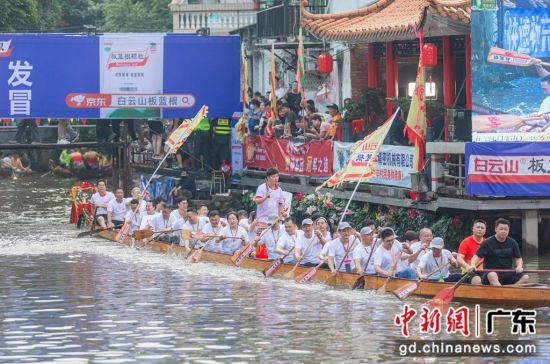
<point x="523" y="297"/>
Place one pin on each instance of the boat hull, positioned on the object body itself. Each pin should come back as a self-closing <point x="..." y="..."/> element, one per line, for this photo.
<point x="524" y="297"/>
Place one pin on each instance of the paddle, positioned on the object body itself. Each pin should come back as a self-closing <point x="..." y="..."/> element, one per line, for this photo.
<point x="310" y="273"/>
<point x="331" y="281"/>
<point x="196" y="256"/>
<point x="504" y="56"/>
<point x="445" y="296"/>
<point x="244" y="252"/>
<point x="488" y="123"/>
<point x="512" y="271"/>
<point x="291" y="274"/>
<point x="95" y="231"/>
<point x="406" y="290"/>
<point x="360" y="282"/>
<point x="276" y="264"/>
<point x="382" y="289"/>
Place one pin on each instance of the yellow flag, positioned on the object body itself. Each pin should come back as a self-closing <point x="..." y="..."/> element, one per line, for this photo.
<point x="180" y="135"/>
<point x="362" y="162"/>
<point x="416" y="120"/>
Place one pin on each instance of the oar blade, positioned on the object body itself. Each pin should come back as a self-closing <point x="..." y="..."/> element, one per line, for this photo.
<point x="143" y="234"/>
<point x="291" y="274"/>
<point x="443" y="298"/>
<point x="306" y="276"/>
<point x="405" y="291"/>
<point x="359" y="283"/>
<point x="194" y="257"/>
<point x="269" y="271"/>
<point x="382" y="289"/>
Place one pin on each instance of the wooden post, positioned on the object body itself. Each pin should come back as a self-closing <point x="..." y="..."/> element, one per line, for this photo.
<point x="125" y="160"/>
<point x="372" y="67"/>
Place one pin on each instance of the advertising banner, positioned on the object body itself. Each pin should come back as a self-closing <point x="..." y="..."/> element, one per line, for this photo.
<point x="394" y="163"/>
<point x="298" y="158"/>
<point x="236" y="153"/>
<point x="117" y="75"/>
<point x="510" y="61"/>
<point x="508" y="169"/>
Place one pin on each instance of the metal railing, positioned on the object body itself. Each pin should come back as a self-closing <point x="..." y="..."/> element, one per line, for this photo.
<point x="283" y="21"/>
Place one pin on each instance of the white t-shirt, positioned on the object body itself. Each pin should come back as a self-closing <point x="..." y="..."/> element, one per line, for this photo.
<point x="429" y="263"/>
<point x="311" y="254"/>
<point x="176" y="215"/>
<point x="146" y="220"/>
<point x="269" y="206"/>
<point x="363" y="252"/>
<point x="324" y="250"/>
<point x="213" y="245"/>
<point x="386" y="258"/>
<point x="204" y="219"/>
<point x="270" y="239"/>
<point x="414" y="249"/>
<point x="287" y="242"/>
<point x="135" y="219"/>
<point x="195" y="228"/>
<point x="118" y="210"/>
<point x="338" y="252"/>
<point x="233" y="240"/>
<point x="97" y="199"/>
<point x="158" y="223"/>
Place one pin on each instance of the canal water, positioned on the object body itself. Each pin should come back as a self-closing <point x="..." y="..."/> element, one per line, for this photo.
<point x="69" y="300"/>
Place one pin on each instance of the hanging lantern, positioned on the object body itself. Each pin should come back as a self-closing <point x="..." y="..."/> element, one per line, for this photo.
<point x="429" y="55"/>
<point x="325" y="63"/>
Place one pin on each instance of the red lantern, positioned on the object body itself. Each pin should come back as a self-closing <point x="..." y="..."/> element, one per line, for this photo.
<point x="325" y="63"/>
<point x="429" y="55"/>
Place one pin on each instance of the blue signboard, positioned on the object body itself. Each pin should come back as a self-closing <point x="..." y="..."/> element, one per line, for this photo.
<point x="508" y="169"/>
<point x="118" y="75"/>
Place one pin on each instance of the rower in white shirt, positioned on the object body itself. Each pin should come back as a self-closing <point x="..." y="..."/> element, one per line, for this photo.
<point x="213" y="227"/>
<point x="233" y="236"/>
<point x="149" y="214"/>
<point x="134" y="216"/>
<point x="181" y="212"/>
<point x="387" y="256"/>
<point x="164" y="222"/>
<point x="271" y="237"/>
<point x="341" y="249"/>
<point x="309" y="245"/>
<point x="288" y="240"/>
<point x="363" y="251"/>
<point x="193" y="225"/>
<point x="136" y="194"/>
<point x="436" y="260"/>
<point x="100" y="200"/>
<point x="420" y="248"/>
<point x="116" y="209"/>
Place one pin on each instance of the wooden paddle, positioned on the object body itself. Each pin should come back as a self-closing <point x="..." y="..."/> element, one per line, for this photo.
<point x="245" y="251"/>
<point x="309" y="274"/>
<point x="194" y="257"/>
<point x="276" y="264"/>
<point x="95" y="231"/>
<point x="291" y="273"/>
<point x="331" y="281"/>
<point x="406" y="290"/>
<point x="494" y="123"/>
<point x="360" y="282"/>
<point x="382" y="289"/>
<point x="445" y="296"/>
<point x="504" y="56"/>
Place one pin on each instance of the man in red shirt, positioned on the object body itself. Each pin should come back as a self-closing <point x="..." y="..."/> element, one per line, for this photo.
<point x="468" y="247"/>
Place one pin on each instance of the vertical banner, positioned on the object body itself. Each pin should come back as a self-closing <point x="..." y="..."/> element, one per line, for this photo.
<point x="131" y="65"/>
<point x="236" y="153"/>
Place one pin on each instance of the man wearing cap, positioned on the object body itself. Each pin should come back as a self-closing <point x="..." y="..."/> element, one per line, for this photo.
<point x="341" y="249"/>
<point x="363" y="251"/>
<point x="269" y="197"/>
<point x="435" y="262"/>
<point x="387" y="256"/>
<point x="335" y="121"/>
<point x="288" y="240"/>
<point x="271" y="237"/>
<point x="309" y="245"/>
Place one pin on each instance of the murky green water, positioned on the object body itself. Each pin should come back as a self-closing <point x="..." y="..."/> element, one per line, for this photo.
<point x="72" y="300"/>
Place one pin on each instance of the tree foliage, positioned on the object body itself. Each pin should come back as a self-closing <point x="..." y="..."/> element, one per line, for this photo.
<point x="70" y="16"/>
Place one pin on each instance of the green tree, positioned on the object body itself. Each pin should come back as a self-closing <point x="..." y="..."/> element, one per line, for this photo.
<point x="137" y="16"/>
<point x="18" y="16"/>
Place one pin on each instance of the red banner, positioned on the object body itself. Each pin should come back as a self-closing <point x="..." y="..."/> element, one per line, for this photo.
<point x="307" y="159"/>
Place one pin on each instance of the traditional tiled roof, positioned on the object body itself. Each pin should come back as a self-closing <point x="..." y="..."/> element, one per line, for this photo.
<point x="384" y="19"/>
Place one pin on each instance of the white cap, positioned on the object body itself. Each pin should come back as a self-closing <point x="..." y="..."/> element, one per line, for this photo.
<point x="366" y="230"/>
<point x="344" y="225"/>
<point x="437" y="243"/>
